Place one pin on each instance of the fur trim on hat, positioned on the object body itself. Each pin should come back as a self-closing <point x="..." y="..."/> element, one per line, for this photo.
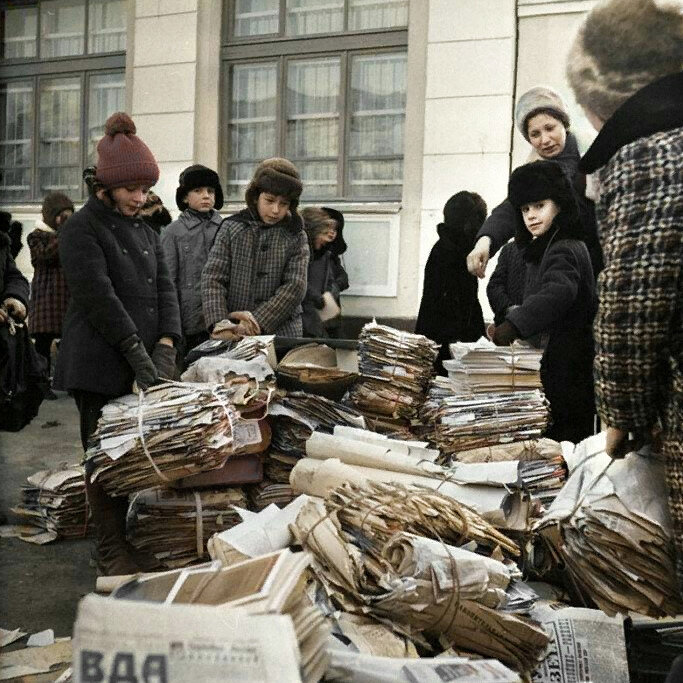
<point x="53" y="204"/>
<point x="622" y="46"/>
<point x="198" y="176"/>
<point x="277" y="176"/>
<point x="539" y="100"/>
<point x="543" y="180"/>
<point x="122" y="157"/>
<point x="338" y="246"/>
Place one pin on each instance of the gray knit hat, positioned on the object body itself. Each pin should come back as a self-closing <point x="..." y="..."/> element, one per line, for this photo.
<point x="537" y="100"/>
<point x="622" y="46"/>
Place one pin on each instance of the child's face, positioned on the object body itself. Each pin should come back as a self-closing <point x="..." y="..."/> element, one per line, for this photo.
<point x="201" y="198"/>
<point x="326" y="237"/>
<point x="63" y="216"/>
<point x="129" y="200"/>
<point x="272" y="208"/>
<point x="538" y="216"/>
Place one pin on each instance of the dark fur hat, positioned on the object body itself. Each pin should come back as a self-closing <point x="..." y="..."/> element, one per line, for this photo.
<point x="53" y="204"/>
<point x="198" y="176"/>
<point x="339" y="246"/>
<point x="463" y="215"/>
<point x="278" y="176"/>
<point x="544" y="180"/>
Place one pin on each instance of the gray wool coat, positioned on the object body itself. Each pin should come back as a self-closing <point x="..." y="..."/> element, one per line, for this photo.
<point x="119" y="286"/>
<point x="259" y="268"/>
<point x="187" y="242"/>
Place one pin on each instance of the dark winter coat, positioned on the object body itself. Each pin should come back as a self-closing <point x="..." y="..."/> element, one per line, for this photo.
<point x="450" y="310"/>
<point x="49" y="293"/>
<point x="639" y="325"/>
<point x="259" y="268"/>
<point x="187" y="242"/>
<point x="119" y="285"/>
<point x="506" y="284"/>
<point x="325" y="274"/>
<point x="13" y="285"/>
<point x="500" y="226"/>
<point x="560" y="302"/>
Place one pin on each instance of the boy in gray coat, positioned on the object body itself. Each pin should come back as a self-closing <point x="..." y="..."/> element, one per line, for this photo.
<point x="187" y="241"/>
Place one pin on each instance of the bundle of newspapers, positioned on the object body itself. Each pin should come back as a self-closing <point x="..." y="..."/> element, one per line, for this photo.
<point x="462" y="423"/>
<point x="54" y="500"/>
<point x="175" y="525"/>
<point x="270" y="492"/>
<point x="396" y="368"/>
<point x="610" y="527"/>
<point x="172" y="431"/>
<point x="405" y="555"/>
<point x="482" y="367"/>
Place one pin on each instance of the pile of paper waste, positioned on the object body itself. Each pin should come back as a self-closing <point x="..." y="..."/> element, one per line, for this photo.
<point x="172" y="431"/>
<point x="175" y="525"/>
<point x="54" y="500"/>
<point x="395" y="370"/>
<point x="610" y="528"/>
<point x="483" y="368"/>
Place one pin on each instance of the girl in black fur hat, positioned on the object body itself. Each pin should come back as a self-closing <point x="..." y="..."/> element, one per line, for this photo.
<point x="450" y="310"/>
<point x="559" y="295"/>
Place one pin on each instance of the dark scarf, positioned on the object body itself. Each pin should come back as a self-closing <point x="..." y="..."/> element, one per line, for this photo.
<point x="656" y="108"/>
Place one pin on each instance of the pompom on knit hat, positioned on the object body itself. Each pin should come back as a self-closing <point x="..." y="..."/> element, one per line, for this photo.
<point x="53" y="204"/>
<point x="538" y="100"/>
<point x="198" y="176"/>
<point x="279" y="177"/>
<point x="122" y="157"/>
<point x="622" y="46"/>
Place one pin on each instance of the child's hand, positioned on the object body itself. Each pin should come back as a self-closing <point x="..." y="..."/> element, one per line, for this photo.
<point x="247" y="322"/>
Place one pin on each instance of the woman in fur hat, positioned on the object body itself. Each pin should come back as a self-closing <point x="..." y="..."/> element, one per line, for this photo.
<point x="559" y="295"/>
<point x="49" y="293"/>
<point x="255" y="278"/>
<point x="543" y="119"/>
<point x="122" y="321"/>
<point x="325" y="271"/>
<point x="450" y="310"/>
<point x="187" y="242"/>
<point x="625" y="70"/>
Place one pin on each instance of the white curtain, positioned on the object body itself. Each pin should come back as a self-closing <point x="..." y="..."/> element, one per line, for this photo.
<point x="106" y="95"/>
<point x="256" y="17"/>
<point x="62" y="27"/>
<point x="21" y="27"/>
<point x="16" y="135"/>
<point x="106" y="26"/>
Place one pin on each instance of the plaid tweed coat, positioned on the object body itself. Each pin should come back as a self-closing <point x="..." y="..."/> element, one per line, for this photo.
<point x="259" y="268"/>
<point x="639" y="325"/>
<point x="49" y="293"/>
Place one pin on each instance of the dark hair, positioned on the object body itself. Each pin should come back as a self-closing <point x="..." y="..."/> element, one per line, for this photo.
<point x="550" y="111"/>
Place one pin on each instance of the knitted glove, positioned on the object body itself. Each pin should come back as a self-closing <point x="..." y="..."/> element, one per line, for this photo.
<point x="164" y="359"/>
<point x="504" y="334"/>
<point x="146" y="374"/>
<point x="319" y="302"/>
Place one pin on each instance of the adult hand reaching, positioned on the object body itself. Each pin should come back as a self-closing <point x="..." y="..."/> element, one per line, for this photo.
<point x="248" y="324"/>
<point x="478" y="258"/>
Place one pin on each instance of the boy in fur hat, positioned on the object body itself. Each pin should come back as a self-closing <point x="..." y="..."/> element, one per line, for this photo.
<point x="255" y="278"/>
<point x="187" y="241"/>
<point x="559" y="295"/>
<point x="49" y="293"/>
<point x="625" y="70"/>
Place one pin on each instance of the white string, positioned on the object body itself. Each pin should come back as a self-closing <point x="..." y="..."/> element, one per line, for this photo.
<point x="141" y="396"/>
<point x="228" y="414"/>
<point x="199" y="524"/>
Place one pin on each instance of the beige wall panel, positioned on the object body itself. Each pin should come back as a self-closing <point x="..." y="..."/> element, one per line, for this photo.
<point x="468" y="125"/>
<point x="175" y="39"/>
<point x="164" y="89"/>
<point x="168" y="182"/>
<point x="169" y="136"/>
<point x="470" y="19"/>
<point x="476" y="67"/>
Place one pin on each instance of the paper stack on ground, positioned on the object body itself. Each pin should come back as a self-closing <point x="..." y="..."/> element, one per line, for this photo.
<point x="396" y="368"/>
<point x="611" y="529"/>
<point x="483" y="368"/>
<point x="174" y="526"/>
<point x="172" y="431"/>
<point x="54" y="500"/>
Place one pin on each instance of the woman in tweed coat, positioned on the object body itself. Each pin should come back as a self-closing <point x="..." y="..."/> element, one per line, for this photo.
<point x="635" y="100"/>
<point x="255" y="278"/>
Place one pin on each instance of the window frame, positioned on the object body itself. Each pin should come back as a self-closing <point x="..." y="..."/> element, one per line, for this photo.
<point x="283" y="49"/>
<point x="37" y="70"/>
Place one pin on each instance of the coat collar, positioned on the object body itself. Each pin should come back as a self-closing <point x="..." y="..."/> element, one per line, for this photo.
<point x="193" y="219"/>
<point x="656" y="108"/>
<point x="106" y="213"/>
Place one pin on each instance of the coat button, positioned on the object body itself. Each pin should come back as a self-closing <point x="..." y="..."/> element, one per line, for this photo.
<point x="150" y="280"/>
<point x="145" y="252"/>
<point x="261" y="273"/>
<point x="151" y="309"/>
<point x="187" y="248"/>
<point x="136" y="225"/>
<point x="125" y="251"/>
<point x="264" y="247"/>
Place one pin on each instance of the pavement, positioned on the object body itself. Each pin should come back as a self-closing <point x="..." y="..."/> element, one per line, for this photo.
<point x="40" y="586"/>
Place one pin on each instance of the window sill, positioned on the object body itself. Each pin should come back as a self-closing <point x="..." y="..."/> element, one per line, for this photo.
<point x="386" y="208"/>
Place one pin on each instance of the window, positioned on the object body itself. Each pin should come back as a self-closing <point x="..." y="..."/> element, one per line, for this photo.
<point x="324" y="85"/>
<point x="61" y="75"/>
